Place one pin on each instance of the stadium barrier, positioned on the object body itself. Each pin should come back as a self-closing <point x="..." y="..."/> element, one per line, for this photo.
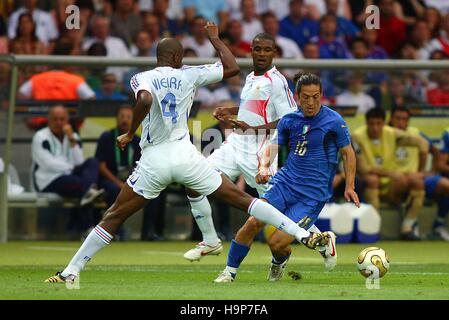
<point x="245" y="63"/>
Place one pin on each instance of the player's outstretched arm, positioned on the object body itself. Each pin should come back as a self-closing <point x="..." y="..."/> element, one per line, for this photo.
<point x="140" y="111"/>
<point x="230" y="66"/>
<point x="266" y="160"/>
<point x="349" y="161"/>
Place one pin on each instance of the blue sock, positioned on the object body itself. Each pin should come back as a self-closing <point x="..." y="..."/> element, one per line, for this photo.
<point x="279" y="260"/>
<point x="236" y="254"/>
<point x="443" y="210"/>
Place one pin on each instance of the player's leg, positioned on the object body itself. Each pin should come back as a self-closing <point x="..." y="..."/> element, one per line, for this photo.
<point x="372" y="186"/>
<point x="239" y="249"/>
<point x="202" y="213"/>
<point x="305" y="213"/>
<point x="241" y="244"/>
<point x="438" y="187"/>
<point x="224" y="161"/>
<point x="415" y="201"/>
<point x="126" y="204"/>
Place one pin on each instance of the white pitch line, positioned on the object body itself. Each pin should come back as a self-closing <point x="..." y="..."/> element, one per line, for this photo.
<point x="51" y="248"/>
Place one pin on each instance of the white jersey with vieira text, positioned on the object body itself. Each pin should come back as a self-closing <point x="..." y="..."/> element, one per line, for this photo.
<point x="264" y="99"/>
<point x="173" y="91"/>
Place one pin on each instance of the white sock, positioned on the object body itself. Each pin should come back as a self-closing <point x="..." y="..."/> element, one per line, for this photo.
<point x="96" y="240"/>
<point x="202" y="212"/>
<point x="315" y="229"/>
<point x="265" y="212"/>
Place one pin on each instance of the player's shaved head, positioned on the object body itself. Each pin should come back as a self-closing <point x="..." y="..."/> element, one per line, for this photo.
<point x="169" y="52"/>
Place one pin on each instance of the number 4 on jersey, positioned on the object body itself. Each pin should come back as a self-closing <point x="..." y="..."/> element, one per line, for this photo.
<point x="169" y="107"/>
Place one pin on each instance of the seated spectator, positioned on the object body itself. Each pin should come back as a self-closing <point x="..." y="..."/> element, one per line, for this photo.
<point x="26" y="42"/>
<point x="168" y="27"/>
<point x="212" y="11"/>
<point x="374" y="51"/>
<point x="345" y="27"/>
<point x="174" y="10"/>
<point x="354" y="95"/>
<point x="359" y="50"/>
<point x="143" y="46"/>
<point x="409" y="162"/>
<point x="375" y="145"/>
<point x="331" y="47"/>
<point x="152" y="27"/>
<point x="109" y="91"/>
<point x="238" y="46"/>
<point x="297" y="28"/>
<point x="433" y="18"/>
<point x="409" y="11"/>
<point x="421" y="38"/>
<point x="250" y="22"/>
<point x="116" y="48"/>
<point x="198" y="40"/>
<point x="289" y="48"/>
<point x="93" y="74"/>
<point x="441" y="42"/>
<point x="55" y="84"/>
<point x="392" y="31"/>
<point x="396" y="94"/>
<point x="58" y="162"/>
<point x="440" y="95"/>
<point x="46" y="29"/>
<point x="116" y="165"/>
<point x="125" y="23"/>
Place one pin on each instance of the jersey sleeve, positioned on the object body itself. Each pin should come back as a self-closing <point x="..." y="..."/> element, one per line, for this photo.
<point x="281" y="135"/>
<point x="282" y="99"/>
<point x="342" y="132"/>
<point x="445" y="148"/>
<point x="138" y="83"/>
<point x="205" y="74"/>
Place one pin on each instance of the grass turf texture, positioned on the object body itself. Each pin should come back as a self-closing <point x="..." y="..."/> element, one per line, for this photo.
<point x="157" y="270"/>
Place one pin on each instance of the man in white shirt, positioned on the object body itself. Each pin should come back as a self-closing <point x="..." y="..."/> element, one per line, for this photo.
<point x="198" y="40"/>
<point x="250" y="23"/>
<point x="164" y="98"/>
<point x="355" y="96"/>
<point x="46" y="29"/>
<point x="116" y="48"/>
<point x="58" y="161"/>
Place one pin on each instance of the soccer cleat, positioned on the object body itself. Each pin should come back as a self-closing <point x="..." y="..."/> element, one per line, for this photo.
<point x="277" y="271"/>
<point x="441" y="233"/>
<point x="91" y="195"/>
<point x="202" y="250"/>
<point x="225" y="277"/>
<point x="329" y="252"/>
<point x="316" y="239"/>
<point x="58" y="278"/>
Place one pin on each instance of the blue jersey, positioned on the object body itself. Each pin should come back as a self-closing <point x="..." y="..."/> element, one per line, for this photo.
<point x="313" y="144"/>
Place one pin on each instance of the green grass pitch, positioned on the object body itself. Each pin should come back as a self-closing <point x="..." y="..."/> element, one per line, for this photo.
<point x="157" y="270"/>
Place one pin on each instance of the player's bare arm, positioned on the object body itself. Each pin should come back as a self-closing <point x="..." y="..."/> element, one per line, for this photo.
<point x="349" y="161"/>
<point x="243" y="126"/>
<point x="140" y="111"/>
<point x="224" y="113"/>
<point x="266" y="160"/>
<point x="230" y="66"/>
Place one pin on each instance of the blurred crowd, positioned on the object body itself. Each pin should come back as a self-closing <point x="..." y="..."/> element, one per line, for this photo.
<point x="304" y="29"/>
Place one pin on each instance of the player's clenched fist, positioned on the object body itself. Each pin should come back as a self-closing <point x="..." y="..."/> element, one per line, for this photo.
<point x="123" y="140"/>
<point x="263" y="176"/>
<point x="211" y="30"/>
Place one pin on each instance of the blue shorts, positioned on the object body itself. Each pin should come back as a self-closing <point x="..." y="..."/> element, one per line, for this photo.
<point x="300" y="209"/>
<point x="431" y="183"/>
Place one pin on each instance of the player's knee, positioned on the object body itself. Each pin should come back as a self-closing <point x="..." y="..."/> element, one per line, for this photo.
<point x="252" y="227"/>
<point x="416" y="183"/>
<point x="371" y="181"/>
<point x="192" y="194"/>
<point x="443" y="187"/>
<point x="278" y="246"/>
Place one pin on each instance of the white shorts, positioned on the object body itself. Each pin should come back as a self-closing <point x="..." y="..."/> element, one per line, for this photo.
<point x="177" y="161"/>
<point x="234" y="163"/>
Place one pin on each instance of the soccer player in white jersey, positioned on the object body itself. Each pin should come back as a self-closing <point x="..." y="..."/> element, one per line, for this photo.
<point x="265" y="98"/>
<point x="164" y="98"/>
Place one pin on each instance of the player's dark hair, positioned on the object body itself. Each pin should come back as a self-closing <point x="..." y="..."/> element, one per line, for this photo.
<point x="375" y="113"/>
<point x="306" y="79"/>
<point x="400" y="109"/>
<point x="265" y="36"/>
